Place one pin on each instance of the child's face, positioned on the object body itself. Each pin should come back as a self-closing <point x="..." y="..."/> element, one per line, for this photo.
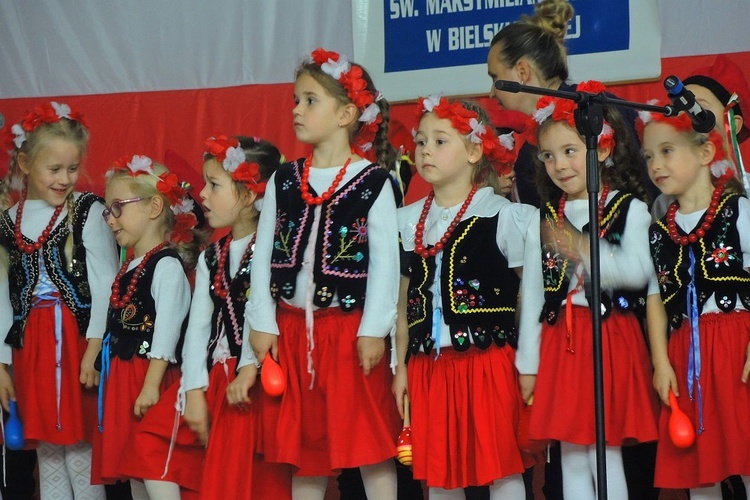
<point x="507" y="182"/>
<point x="674" y="163"/>
<point x="442" y="154"/>
<point x="219" y="196"/>
<point x="317" y="113"/>
<point x="130" y="226"/>
<point x="563" y="153"/>
<point x="53" y="173"/>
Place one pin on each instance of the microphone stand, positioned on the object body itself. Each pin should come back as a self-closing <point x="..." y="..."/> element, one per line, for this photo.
<point x="589" y="119"/>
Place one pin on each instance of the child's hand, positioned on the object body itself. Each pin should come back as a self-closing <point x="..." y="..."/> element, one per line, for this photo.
<point x="196" y="414"/>
<point x="400" y="387"/>
<point x="146" y="399"/>
<point x="526" y="383"/>
<point x="566" y="240"/>
<point x="89" y="376"/>
<point x="746" y="369"/>
<point x="262" y="343"/>
<point x="7" y="391"/>
<point x="371" y="351"/>
<point x="664" y="379"/>
<point x="238" y="391"/>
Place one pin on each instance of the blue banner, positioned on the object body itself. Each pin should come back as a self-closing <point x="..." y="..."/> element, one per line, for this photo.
<point x="425" y="34"/>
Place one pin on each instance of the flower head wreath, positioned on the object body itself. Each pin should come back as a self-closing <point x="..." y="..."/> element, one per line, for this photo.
<point x="227" y="151"/>
<point x="350" y="77"/>
<point x="182" y="205"/>
<point x="563" y="110"/>
<point x="466" y="122"/>
<point x="48" y="112"/>
<point x="721" y="163"/>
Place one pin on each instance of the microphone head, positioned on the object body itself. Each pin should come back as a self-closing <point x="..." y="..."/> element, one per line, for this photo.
<point x="507" y="86"/>
<point x="673" y="85"/>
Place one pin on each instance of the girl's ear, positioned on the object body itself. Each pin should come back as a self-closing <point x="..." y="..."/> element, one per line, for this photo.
<point x="603" y="153"/>
<point x="738" y="122"/>
<point x="475" y="152"/>
<point x="348" y="114"/>
<point x="23" y="163"/>
<point x="156" y="206"/>
<point x="523" y="68"/>
<point x="706" y="153"/>
<point x="248" y="197"/>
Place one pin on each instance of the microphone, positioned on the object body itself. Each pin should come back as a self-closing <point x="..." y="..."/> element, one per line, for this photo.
<point x="703" y="119"/>
<point x="508" y="86"/>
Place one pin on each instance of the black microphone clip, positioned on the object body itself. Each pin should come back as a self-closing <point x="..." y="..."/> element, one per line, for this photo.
<point x="684" y="100"/>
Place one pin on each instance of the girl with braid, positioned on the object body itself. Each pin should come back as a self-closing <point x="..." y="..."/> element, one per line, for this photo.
<point x="62" y="261"/>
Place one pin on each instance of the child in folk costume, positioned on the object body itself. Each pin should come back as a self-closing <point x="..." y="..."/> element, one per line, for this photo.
<point x="700" y="336"/>
<point x="327" y="237"/>
<point x="555" y="356"/>
<point x="456" y="323"/>
<point x="236" y="170"/>
<point x="147" y="210"/>
<point x="62" y="260"/>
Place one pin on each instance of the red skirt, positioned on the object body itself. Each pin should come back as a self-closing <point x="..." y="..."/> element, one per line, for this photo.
<point x="563" y="406"/>
<point x="465" y="408"/>
<point x="345" y="419"/>
<point x="35" y="380"/>
<point x="229" y="471"/>
<point x="151" y="441"/>
<point x="123" y="386"/>
<point x="723" y="448"/>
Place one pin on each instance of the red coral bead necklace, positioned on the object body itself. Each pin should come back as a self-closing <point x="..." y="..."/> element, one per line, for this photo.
<point x="600" y="209"/>
<point x="708" y="218"/>
<point x="305" y="187"/>
<point x="419" y="247"/>
<point x="114" y="299"/>
<point x="31" y="248"/>
<point x="221" y="287"/>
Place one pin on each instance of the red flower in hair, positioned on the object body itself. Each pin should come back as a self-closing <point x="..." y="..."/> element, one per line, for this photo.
<point x="6" y="139"/>
<point x="183" y="225"/>
<point x="356" y="87"/>
<point x="217" y="146"/>
<point x="320" y="56"/>
<point x="169" y="186"/>
<point x="249" y="175"/>
<point x="44" y="113"/>
<point x="591" y="86"/>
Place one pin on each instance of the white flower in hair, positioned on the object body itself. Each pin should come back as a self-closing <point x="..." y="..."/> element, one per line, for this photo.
<point x="721" y="167"/>
<point x="477" y="131"/>
<point x="370" y="113"/>
<point x="16" y="183"/>
<point x="235" y="156"/>
<point x="19" y="135"/>
<point x="507" y="141"/>
<point x="185" y="206"/>
<point x="365" y="146"/>
<point x="607" y="131"/>
<point x="646" y="116"/>
<point x="140" y="163"/>
<point x="336" y="68"/>
<point x="62" y="110"/>
<point x="543" y="113"/>
<point x="430" y="102"/>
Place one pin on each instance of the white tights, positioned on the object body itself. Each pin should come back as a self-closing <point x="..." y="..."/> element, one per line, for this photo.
<point x="510" y="488"/>
<point x="714" y="492"/>
<point x="579" y="472"/>
<point x="157" y="490"/>
<point x="379" y="480"/>
<point x="65" y="473"/>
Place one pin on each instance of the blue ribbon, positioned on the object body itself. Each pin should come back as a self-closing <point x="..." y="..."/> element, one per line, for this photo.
<point x="103" y="380"/>
<point x="437" y="314"/>
<point x="53" y="300"/>
<point x="694" y="357"/>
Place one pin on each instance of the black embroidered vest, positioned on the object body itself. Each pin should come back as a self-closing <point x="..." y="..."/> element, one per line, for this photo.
<point x="131" y="329"/>
<point x="718" y="264"/>
<point x="71" y="279"/>
<point x="558" y="270"/>
<point x="228" y="313"/>
<point x="478" y="291"/>
<point x="341" y="250"/>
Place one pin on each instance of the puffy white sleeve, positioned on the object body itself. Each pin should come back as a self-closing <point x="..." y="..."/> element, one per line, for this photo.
<point x="6" y="311"/>
<point x="512" y="226"/>
<point x="383" y="271"/>
<point x="171" y="292"/>
<point x="532" y="301"/>
<point x="260" y="311"/>
<point x="102" y="263"/>
<point x="195" y="349"/>
<point x="627" y="265"/>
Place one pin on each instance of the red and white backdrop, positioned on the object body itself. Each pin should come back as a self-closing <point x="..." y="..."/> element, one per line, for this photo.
<point x="158" y="75"/>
